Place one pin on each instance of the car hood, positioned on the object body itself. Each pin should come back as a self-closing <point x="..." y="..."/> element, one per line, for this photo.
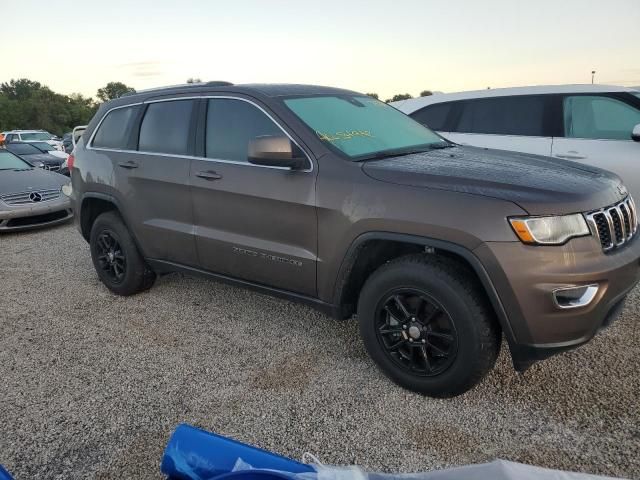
<point x="14" y="181"/>
<point x="540" y="185"/>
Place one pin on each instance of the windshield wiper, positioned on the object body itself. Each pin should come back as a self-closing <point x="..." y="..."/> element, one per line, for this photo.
<point x="440" y="146"/>
<point x="402" y="153"/>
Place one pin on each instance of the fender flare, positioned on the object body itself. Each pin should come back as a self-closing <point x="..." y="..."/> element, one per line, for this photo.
<point x="461" y="251"/>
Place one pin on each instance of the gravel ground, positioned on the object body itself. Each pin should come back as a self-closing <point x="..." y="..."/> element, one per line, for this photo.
<point x="93" y="384"/>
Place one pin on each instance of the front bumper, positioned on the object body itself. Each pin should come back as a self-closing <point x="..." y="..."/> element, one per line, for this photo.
<point x="35" y="215"/>
<point x="525" y="278"/>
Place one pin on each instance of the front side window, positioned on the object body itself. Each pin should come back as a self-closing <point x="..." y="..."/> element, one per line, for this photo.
<point x="166" y="126"/>
<point x="360" y="126"/>
<point x="599" y="117"/>
<point x="8" y="161"/>
<point x="434" y="116"/>
<point x="231" y="125"/>
<point x="523" y="116"/>
<point x="114" y="130"/>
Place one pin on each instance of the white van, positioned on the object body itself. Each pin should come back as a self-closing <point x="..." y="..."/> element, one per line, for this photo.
<point x="594" y="124"/>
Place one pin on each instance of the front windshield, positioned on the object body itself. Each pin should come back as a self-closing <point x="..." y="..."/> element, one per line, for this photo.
<point x="35" y="136"/>
<point x="8" y="161"/>
<point x="361" y="126"/>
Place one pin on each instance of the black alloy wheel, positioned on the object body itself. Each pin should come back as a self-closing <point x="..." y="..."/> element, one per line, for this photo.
<point x="416" y="332"/>
<point x="110" y="256"/>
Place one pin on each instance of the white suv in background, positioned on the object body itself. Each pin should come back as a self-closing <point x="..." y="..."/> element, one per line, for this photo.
<point x="594" y="124"/>
<point x="33" y="136"/>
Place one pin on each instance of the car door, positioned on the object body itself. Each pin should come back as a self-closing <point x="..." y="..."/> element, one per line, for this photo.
<point x="597" y="131"/>
<point x="150" y="148"/>
<point x="517" y="123"/>
<point x="251" y="222"/>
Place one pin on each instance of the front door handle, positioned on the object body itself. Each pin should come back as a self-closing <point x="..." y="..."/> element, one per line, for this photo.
<point x="129" y="165"/>
<point x="571" y="156"/>
<point x="209" y="175"/>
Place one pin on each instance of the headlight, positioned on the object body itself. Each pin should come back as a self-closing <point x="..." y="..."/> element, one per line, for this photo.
<point x="67" y="190"/>
<point x="549" y="230"/>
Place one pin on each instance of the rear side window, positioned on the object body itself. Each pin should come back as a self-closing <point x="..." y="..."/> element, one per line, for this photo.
<point x="503" y="116"/>
<point x="114" y="130"/>
<point x="231" y="125"/>
<point x="165" y="127"/>
<point x="434" y="116"/>
<point x="599" y="117"/>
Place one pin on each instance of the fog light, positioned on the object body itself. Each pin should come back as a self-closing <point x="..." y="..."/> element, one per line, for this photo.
<point x="574" y="297"/>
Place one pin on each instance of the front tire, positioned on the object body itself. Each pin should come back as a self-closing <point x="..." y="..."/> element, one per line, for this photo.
<point x="427" y="324"/>
<point x="116" y="258"/>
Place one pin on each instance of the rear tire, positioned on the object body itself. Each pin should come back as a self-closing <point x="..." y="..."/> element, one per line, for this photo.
<point x="116" y="258"/>
<point x="427" y="324"/>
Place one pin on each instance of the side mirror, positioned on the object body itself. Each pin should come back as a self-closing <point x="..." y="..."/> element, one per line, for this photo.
<point x="275" y="151"/>
<point x="635" y="134"/>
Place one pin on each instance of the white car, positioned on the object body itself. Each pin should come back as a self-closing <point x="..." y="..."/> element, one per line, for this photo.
<point x="593" y="124"/>
<point x="33" y="136"/>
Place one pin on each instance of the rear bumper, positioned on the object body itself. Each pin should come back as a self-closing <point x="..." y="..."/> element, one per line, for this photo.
<point x="35" y="215"/>
<point x="525" y="278"/>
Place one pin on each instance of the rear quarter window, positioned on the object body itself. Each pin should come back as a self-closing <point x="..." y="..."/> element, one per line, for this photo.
<point x="113" y="131"/>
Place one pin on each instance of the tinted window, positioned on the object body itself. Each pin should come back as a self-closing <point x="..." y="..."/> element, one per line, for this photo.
<point x="113" y="132"/>
<point x="434" y="116"/>
<point x="166" y="127"/>
<point x="503" y="116"/>
<point x="231" y="124"/>
<point x="591" y="116"/>
<point x="23" y="149"/>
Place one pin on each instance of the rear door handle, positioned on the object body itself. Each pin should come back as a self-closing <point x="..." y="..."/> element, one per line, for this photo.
<point x="571" y="156"/>
<point x="209" y="175"/>
<point x="130" y="164"/>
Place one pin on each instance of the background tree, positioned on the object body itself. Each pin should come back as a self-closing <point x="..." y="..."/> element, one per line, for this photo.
<point x="25" y="104"/>
<point x="374" y="95"/>
<point x="113" y="90"/>
<point x="398" y="97"/>
<point x="194" y="80"/>
<point x="426" y="93"/>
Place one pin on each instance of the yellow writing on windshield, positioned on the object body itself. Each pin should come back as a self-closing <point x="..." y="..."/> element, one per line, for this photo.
<point x="345" y="135"/>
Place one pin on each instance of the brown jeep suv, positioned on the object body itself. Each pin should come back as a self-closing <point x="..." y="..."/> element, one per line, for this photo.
<point x="332" y="198"/>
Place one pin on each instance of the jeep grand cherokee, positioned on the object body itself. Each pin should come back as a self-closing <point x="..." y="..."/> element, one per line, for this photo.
<point x="332" y="198"/>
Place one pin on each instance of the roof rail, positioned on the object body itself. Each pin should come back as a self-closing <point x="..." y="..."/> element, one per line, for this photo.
<point x="214" y="83"/>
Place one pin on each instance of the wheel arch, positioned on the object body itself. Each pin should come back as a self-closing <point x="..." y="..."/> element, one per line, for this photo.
<point x="371" y="250"/>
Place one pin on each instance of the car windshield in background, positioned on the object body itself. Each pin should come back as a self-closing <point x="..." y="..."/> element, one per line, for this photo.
<point x="361" y="126"/>
<point x="8" y="161"/>
<point x="44" y="146"/>
<point x="35" y="136"/>
<point x="23" y="149"/>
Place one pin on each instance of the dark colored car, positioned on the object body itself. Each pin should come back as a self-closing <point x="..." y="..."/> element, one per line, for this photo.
<point x="30" y="197"/>
<point x="67" y="142"/>
<point x="332" y="198"/>
<point x="35" y="156"/>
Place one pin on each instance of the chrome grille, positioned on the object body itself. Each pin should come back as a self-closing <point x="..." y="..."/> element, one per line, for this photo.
<point x="614" y="225"/>
<point x="26" y="198"/>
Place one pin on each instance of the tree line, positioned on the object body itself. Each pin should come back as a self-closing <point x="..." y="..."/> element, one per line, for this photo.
<point x="401" y="96"/>
<point x="25" y="104"/>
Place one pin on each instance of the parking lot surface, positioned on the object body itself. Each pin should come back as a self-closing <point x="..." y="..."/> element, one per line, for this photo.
<point x="93" y="384"/>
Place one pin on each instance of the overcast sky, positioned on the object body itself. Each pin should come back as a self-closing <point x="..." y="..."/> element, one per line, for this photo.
<point x="386" y="46"/>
